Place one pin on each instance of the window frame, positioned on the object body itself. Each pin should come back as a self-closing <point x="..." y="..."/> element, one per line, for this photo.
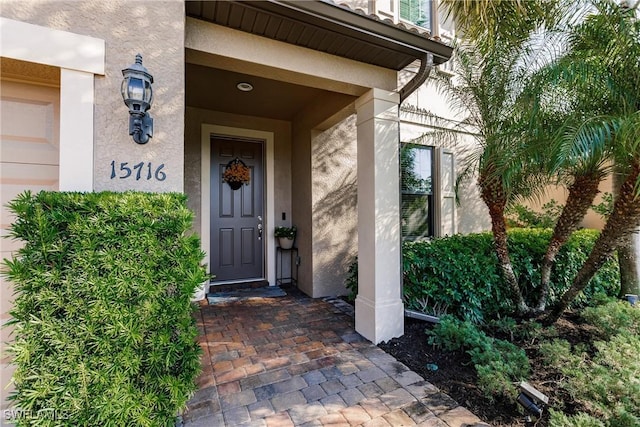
<point x="429" y="196"/>
<point x="432" y="10"/>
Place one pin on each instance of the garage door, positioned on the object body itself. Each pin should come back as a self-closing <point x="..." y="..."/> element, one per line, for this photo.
<point x="29" y="158"/>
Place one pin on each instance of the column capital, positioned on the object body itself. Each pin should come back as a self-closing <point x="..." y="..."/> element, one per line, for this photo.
<point x="376" y="94"/>
<point x="379" y="104"/>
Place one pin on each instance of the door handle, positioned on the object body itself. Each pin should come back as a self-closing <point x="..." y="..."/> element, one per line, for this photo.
<point x="260" y="231"/>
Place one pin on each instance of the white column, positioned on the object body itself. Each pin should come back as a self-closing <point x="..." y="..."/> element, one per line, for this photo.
<point x="379" y="308"/>
<point x="76" y="130"/>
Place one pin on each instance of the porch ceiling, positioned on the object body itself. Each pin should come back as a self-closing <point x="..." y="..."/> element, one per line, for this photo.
<point x="215" y="89"/>
<point x="325" y="27"/>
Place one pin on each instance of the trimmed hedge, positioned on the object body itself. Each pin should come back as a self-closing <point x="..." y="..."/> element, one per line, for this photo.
<point x="103" y="327"/>
<point x="462" y="273"/>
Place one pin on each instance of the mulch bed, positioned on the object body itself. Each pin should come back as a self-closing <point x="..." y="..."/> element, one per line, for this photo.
<point x="455" y="374"/>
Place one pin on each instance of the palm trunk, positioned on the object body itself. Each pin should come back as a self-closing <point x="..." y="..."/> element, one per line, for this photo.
<point x="581" y="195"/>
<point x="628" y="262"/>
<point x="623" y="221"/>
<point x="495" y="199"/>
<point x="627" y="256"/>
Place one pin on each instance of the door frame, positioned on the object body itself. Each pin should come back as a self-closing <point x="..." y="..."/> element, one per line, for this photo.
<point x="205" y="195"/>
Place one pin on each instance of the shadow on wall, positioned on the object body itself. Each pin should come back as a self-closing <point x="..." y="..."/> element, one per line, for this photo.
<point x="335" y="216"/>
<point x="472" y="213"/>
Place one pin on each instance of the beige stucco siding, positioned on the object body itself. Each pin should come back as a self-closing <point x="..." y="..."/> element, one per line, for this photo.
<point x="335" y="206"/>
<point x="311" y="183"/>
<point x="229" y="49"/>
<point x="304" y="189"/>
<point x="156" y="31"/>
<point x="471" y="214"/>
<point x="559" y="194"/>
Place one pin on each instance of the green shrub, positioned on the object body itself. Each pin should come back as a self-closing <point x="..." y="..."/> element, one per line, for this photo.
<point x="527" y="330"/>
<point x="558" y="419"/>
<point x="103" y="326"/>
<point x="461" y="271"/>
<point x="459" y="274"/>
<point x="351" y="281"/>
<point x="498" y="363"/>
<point x="523" y="216"/>
<point x="605" y="207"/>
<point x="571" y="257"/>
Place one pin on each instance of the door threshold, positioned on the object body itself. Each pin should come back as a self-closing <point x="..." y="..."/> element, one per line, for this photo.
<point x="260" y="281"/>
<point x="231" y="285"/>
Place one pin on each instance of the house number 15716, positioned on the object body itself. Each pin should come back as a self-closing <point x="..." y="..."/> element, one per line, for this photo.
<point x="140" y="171"/>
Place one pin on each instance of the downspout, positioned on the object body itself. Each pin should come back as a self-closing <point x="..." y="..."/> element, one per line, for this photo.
<point x="426" y="65"/>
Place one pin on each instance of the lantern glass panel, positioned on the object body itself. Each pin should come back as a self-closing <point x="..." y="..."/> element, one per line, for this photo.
<point x="148" y="92"/>
<point x="136" y="89"/>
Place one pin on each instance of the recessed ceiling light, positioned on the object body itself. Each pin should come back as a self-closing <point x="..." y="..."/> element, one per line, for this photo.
<point x="245" y="87"/>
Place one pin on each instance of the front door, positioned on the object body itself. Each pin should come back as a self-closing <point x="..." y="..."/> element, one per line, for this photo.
<point x="237" y="248"/>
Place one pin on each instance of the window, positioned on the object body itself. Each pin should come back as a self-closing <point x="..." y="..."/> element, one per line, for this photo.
<point x="417" y="191"/>
<point x="417" y="12"/>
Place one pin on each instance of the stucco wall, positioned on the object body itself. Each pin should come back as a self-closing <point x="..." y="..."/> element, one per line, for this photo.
<point x="559" y="194"/>
<point x="335" y="206"/>
<point x="301" y="201"/>
<point x="128" y="28"/>
<point x="306" y="172"/>
<point x="471" y="213"/>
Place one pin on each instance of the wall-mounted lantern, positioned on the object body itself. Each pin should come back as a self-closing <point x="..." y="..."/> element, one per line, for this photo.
<point x="138" y="95"/>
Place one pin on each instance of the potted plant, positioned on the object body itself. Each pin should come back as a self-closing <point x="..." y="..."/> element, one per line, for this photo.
<point x="285" y="236"/>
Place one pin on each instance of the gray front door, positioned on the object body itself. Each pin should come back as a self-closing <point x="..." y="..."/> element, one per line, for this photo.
<point x="237" y="249"/>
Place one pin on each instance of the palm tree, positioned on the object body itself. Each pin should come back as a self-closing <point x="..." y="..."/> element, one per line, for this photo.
<point x="488" y="22"/>
<point x="492" y="69"/>
<point x="485" y="92"/>
<point x="622" y="222"/>
<point x="627" y="255"/>
<point x="568" y="147"/>
<point x="575" y="137"/>
<point x="611" y="39"/>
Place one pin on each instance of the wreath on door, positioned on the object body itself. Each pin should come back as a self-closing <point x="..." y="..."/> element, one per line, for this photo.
<point x="236" y="173"/>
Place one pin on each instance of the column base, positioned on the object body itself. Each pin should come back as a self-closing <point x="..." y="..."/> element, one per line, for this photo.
<point x="201" y="292"/>
<point x="379" y="322"/>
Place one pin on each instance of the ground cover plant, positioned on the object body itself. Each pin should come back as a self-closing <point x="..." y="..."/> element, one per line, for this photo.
<point x="587" y="364"/>
<point x="103" y="332"/>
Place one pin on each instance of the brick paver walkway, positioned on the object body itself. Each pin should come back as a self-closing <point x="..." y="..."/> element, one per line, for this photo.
<point x="297" y="361"/>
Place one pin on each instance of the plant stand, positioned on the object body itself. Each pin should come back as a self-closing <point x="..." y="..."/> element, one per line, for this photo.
<point x="292" y="255"/>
